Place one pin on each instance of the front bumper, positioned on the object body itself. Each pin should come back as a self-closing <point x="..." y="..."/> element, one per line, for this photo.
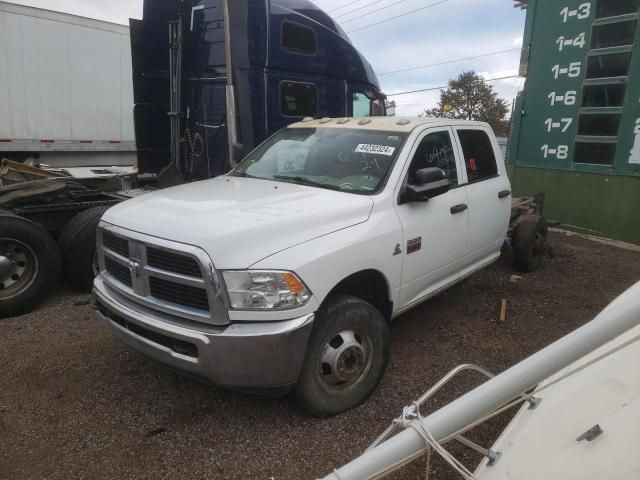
<point x="249" y="356"/>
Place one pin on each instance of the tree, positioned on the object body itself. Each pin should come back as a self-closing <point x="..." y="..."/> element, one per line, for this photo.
<point x="470" y="97"/>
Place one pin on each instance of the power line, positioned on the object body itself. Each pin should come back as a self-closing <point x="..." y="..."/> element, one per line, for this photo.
<point x="343" y="6"/>
<point x="364" y="6"/>
<point x="398" y="16"/>
<point x="448" y="61"/>
<point x="445" y="86"/>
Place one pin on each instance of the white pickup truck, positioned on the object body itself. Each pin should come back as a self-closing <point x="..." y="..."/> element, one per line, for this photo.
<point x="284" y="274"/>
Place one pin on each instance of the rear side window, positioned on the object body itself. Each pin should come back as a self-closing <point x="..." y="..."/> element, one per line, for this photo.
<point x="297" y="38"/>
<point x="479" y="157"/>
<point x="298" y="99"/>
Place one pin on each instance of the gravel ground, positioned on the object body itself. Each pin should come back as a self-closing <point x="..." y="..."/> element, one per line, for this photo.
<point x="76" y="403"/>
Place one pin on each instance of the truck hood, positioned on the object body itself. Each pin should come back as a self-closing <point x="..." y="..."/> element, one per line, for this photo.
<point x="239" y="221"/>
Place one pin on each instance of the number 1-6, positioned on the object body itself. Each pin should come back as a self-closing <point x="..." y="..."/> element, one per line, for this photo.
<point x="569" y="98"/>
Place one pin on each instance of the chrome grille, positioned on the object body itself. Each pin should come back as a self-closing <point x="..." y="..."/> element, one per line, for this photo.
<point x="172" y="262"/>
<point x="181" y="294"/>
<point x="119" y="271"/>
<point x="117" y="244"/>
<point x="167" y="276"/>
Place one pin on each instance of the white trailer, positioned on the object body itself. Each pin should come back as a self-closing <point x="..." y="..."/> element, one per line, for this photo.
<point x="66" y="89"/>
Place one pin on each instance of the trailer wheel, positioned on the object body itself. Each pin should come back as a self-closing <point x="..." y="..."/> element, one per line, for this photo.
<point x="347" y="356"/>
<point x="530" y="243"/>
<point x="77" y="243"/>
<point x="29" y="264"/>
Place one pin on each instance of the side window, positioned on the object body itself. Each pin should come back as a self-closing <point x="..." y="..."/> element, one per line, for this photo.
<point x="361" y="105"/>
<point x="479" y="157"/>
<point x="298" y="99"/>
<point x="297" y="38"/>
<point x="435" y="150"/>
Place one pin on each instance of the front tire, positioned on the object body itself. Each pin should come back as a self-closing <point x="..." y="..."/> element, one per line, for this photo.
<point x="347" y="356"/>
<point x="29" y="265"/>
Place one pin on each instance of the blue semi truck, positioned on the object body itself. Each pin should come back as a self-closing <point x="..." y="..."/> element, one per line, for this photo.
<point x="233" y="73"/>
<point x="211" y="79"/>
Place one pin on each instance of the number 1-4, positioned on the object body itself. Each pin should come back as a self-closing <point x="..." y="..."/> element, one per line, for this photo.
<point x="579" y="41"/>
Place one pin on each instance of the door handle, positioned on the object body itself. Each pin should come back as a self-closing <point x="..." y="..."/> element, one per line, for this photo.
<point x="459" y="208"/>
<point x="504" y="193"/>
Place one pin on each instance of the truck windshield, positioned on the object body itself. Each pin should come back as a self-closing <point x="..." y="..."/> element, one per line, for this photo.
<point x="349" y="160"/>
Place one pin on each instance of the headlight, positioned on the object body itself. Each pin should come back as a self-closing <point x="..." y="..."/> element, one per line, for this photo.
<point x="265" y="290"/>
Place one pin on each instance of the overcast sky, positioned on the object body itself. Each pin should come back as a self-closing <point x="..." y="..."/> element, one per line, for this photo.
<point x="450" y="30"/>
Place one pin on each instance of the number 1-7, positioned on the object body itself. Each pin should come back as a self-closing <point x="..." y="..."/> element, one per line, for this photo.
<point x="564" y="124"/>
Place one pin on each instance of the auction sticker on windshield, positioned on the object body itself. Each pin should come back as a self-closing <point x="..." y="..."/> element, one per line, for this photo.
<point x="375" y="149"/>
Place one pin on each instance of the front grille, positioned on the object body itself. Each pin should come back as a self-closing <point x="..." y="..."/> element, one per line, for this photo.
<point x="118" y="271"/>
<point x="162" y="275"/>
<point x="172" y="262"/>
<point x="116" y="244"/>
<point x="184" y="295"/>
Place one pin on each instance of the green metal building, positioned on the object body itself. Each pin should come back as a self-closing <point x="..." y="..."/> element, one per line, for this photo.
<point x="576" y="124"/>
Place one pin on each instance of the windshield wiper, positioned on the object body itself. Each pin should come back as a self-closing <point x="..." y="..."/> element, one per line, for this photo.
<point x="306" y="181"/>
<point x="241" y="174"/>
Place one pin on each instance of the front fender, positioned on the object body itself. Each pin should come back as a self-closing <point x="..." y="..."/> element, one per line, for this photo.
<point x="325" y="261"/>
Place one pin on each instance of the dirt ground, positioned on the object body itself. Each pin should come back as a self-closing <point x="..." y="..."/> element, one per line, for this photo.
<point x="76" y="403"/>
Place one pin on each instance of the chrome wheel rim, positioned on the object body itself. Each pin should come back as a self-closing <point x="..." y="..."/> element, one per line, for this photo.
<point x="18" y="267"/>
<point x="345" y="360"/>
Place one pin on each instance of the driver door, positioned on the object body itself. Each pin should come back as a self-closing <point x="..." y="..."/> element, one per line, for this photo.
<point x="435" y="231"/>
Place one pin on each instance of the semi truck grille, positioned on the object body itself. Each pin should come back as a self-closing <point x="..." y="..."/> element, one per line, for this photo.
<point x="118" y="271"/>
<point x="185" y="295"/>
<point x="173" y="262"/>
<point x="116" y="244"/>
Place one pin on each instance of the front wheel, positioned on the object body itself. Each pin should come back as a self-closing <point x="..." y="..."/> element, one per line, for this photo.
<point x="347" y="356"/>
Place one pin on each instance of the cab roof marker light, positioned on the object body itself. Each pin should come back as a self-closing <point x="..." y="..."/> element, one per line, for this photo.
<point x="308" y="119"/>
<point x="325" y="120"/>
<point x="403" y="121"/>
<point x="343" y="120"/>
<point x="364" y="121"/>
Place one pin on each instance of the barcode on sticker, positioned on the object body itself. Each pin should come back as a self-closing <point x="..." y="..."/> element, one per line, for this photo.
<point x="375" y="149"/>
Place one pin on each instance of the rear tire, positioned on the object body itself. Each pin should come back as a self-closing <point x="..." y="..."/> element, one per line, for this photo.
<point x="347" y="356"/>
<point x="530" y="243"/>
<point x="77" y="243"/>
<point x="29" y="265"/>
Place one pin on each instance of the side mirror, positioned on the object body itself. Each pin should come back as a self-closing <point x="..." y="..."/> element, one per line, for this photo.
<point x="428" y="183"/>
